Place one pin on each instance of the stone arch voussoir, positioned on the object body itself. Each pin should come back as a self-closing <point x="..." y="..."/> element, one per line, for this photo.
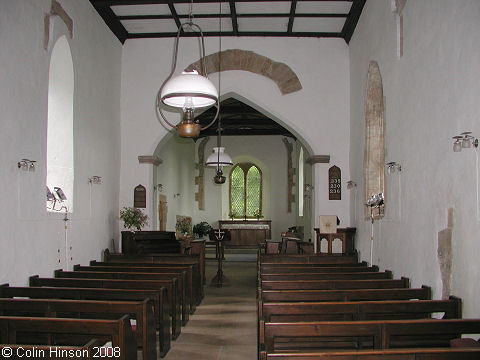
<point x="236" y="59"/>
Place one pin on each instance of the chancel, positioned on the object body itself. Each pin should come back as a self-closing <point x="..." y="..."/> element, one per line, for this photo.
<point x="334" y="141"/>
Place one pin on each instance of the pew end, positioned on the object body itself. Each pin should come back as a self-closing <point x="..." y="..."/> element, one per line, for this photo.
<point x="458" y="307"/>
<point x="33" y="280"/>
<point x="428" y="289"/>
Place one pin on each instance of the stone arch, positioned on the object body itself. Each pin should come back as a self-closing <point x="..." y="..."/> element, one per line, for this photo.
<point x="374" y="157"/>
<point x="236" y="59"/>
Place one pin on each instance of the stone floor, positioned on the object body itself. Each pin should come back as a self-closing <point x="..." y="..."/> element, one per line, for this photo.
<point x="224" y="325"/>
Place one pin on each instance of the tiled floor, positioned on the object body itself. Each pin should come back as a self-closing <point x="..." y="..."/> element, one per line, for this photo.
<point x="224" y="325"/>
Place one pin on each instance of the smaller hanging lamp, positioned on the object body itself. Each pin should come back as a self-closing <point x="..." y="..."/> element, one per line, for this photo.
<point x="219" y="158"/>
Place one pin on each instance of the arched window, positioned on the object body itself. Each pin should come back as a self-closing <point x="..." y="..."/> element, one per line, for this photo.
<point x="301" y="182"/>
<point x="60" y="121"/>
<point x="245" y="191"/>
<point x="374" y="157"/>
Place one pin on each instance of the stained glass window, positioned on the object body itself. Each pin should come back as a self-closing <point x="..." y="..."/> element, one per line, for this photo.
<point x="246" y="191"/>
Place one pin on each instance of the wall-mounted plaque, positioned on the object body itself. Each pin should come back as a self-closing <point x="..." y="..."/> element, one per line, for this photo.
<point x="334" y="183"/>
<point x="140" y="197"/>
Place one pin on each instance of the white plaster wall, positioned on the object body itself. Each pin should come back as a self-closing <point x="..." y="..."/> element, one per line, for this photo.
<point x="270" y="154"/>
<point x="431" y="95"/>
<point x="30" y="237"/>
<point x="319" y="113"/>
<point x="176" y="173"/>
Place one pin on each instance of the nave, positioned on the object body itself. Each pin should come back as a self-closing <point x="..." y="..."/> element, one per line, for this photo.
<point x="224" y="324"/>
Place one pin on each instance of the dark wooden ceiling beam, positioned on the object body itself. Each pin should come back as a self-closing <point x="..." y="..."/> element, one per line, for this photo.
<point x="214" y="16"/>
<point x="153" y="2"/>
<point x="174" y="14"/>
<point x="112" y="22"/>
<point x="233" y="13"/>
<point x="291" y="16"/>
<point x="240" y="33"/>
<point x="352" y="19"/>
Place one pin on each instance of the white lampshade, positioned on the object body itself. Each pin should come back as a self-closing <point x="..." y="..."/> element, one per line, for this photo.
<point x="219" y="158"/>
<point x="189" y="90"/>
<point x="457" y="146"/>
<point x="467" y="142"/>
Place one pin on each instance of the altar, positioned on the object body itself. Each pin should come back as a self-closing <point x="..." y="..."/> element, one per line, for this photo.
<point x="247" y="233"/>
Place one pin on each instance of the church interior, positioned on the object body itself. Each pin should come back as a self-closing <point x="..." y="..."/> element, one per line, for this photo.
<point x="353" y="115"/>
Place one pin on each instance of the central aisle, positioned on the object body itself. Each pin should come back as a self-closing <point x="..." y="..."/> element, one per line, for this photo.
<point x="224" y="326"/>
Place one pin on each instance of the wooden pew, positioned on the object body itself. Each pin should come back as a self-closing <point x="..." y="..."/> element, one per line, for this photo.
<point x="41" y="352"/>
<point x="423" y="293"/>
<point x="141" y="311"/>
<point x="188" y="270"/>
<point x="159" y="298"/>
<point x="184" y="301"/>
<point x="119" y="332"/>
<point x="261" y="263"/>
<point x="170" y="259"/>
<point x="359" y="310"/>
<point x="315" y="269"/>
<point x="169" y="285"/>
<point x="308" y="259"/>
<point x="335" y="284"/>
<point x="383" y="334"/>
<point x="327" y="276"/>
<point x="390" y="354"/>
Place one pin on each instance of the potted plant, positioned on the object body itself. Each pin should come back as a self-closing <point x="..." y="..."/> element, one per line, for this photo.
<point x="201" y="229"/>
<point x="133" y="218"/>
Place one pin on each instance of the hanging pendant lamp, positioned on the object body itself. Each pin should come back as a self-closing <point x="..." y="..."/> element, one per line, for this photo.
<point x="219" y="158"/>
<point x="188" y="91"/>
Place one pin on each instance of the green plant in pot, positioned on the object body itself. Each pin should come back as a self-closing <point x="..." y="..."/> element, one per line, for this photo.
<point x="133" y="218"/>
<point x="201" y="229"/>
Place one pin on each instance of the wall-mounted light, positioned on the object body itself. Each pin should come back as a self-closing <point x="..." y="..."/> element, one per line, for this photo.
<point x="158" y="187"/>
<point x="392" y="166"/>
<point x="175" y="196"/>
<point x="50" y="196"/>
<point x="26" y="165"/>
<point x="95" y="180"/>
<point x="54" y="197"/>
<point x="375" y="200"/>
<point x="308" y="187"/>
<point x="351" y="184"/>
<point x="464" y="141"/>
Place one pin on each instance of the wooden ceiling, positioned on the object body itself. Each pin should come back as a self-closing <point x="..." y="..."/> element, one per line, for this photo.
<point x="133" y="19"/>
<point x="240" y="119"/>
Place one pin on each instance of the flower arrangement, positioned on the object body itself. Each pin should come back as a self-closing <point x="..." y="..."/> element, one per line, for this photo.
<point x="184" y="225"/>
<point x="133" y="218"/>
<point x="232" y="215"/>
<point x="201" y="229"/>
<point x="257" y="214"/>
